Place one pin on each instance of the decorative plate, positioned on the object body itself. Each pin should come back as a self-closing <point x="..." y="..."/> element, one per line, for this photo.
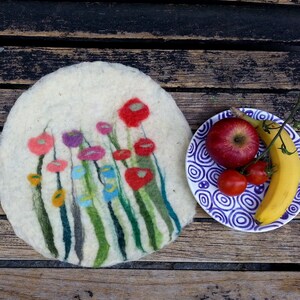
<point x="202" y="174"/>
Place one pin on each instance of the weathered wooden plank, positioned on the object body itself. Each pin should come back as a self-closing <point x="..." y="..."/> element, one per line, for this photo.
<point x="171" y="68"/>
<point x="85" y="20"/>
<point x="199" y="242"/>
<point x="146" y="284"/>
<point x="197" y="107"/>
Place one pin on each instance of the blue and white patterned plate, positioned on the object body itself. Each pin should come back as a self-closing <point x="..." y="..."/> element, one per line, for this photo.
<point x="202" y="174"/>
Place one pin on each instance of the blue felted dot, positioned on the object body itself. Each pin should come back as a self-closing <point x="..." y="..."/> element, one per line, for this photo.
<point x="110" y="192"/>
<point x="78" y="172"/>
<point x="108" y="171"/>
<point x="84" y="201"/>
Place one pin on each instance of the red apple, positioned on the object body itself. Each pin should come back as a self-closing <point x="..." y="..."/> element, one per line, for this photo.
<point x="232" y="142"/>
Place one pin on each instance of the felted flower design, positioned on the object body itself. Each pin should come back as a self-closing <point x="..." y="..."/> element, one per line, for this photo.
<point x="144" y="147"/>
<point x="108" y="171"/>
<point x="78" y="172"/>
<point x="34" y="179"/>
<point x="104" y="128"/>
<point x="133" y="112"/>
<point x="41" y="144"/>
<point x="92" y="153"/>
<point x="121" y="154"/>
<point x="72" y="139"/>
<point x="58" y="198"/>
<point x="138" y="177"/>
<point x="57" y="165"/>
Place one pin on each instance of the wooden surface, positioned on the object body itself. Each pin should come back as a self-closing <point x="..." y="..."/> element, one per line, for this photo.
<point x="209" y="55"/>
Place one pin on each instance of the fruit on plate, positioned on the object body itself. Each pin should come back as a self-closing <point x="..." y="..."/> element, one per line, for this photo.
<point x="232" y="142"/>
<point x="285" y="159"/>
<point x="258" y="172"/>
<point x="231" y="182"/>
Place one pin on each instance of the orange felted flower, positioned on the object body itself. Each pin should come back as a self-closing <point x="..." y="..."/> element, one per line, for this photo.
<point x="58" y="198"/>
<point x="34" y="179"/>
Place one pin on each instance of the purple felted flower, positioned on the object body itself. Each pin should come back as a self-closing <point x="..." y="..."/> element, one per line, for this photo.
<point x="72" y="139"/>
<point x="104" y="128"/>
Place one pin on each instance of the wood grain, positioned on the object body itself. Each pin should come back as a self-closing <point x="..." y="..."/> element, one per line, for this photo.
<point x="171" y="68"/>
<point x="207" y="22"/>
<point x="146" y="284"/>
<point x="206" y="241"/>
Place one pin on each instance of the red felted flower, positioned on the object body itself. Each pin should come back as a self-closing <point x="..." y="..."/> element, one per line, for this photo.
<point x="144" y="147"/>
<point x="133" y="112"/>
<point x="57" y="165"/>
<point x="41" y="144"/>
<point x="92" y="153"/>
<point x="138" y="177"/>
<point x="121" y="154"/>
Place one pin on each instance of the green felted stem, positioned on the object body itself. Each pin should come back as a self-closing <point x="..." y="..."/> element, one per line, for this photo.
<point x="66" y="230"/>
<point x="42" y="214"/>
<point x="95" y="218"/>
<point x="78" y="228"/>
<point x="147" y="218"/>
<point x="67" y="236"/>
<point x="129" y="211"/>
<point x="154" y="193"/>
<point x="165" y="198"/>
<point x="150" y="208"/>
<point x="103" y="249"/>
<point x="119" y="231"/>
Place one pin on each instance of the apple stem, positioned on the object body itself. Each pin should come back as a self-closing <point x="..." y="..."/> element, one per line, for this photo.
<point x="293" y="112"/>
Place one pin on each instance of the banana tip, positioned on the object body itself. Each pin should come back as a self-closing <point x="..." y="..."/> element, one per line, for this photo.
<point x="257" y="222"/>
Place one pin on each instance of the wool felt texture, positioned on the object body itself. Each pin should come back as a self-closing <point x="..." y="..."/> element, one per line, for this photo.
<point x="95" y="174"/>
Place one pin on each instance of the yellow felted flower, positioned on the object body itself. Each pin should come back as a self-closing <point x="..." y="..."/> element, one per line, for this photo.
<point x="58" y="198"/>
<point x="34" y="179"/>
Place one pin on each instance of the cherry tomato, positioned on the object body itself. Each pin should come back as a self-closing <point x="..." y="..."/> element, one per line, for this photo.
<point x="232" y="183"/>
<point x="257" y="173"/>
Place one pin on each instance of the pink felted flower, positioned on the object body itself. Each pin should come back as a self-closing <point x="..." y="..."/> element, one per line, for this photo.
<point x="104" y="128"/>
<point x="57" y="165"/>
<point x="92" y="153"/>
<point x="41" y="144"/>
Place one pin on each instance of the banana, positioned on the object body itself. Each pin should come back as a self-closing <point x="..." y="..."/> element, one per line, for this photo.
<point x="285" y="180"/>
